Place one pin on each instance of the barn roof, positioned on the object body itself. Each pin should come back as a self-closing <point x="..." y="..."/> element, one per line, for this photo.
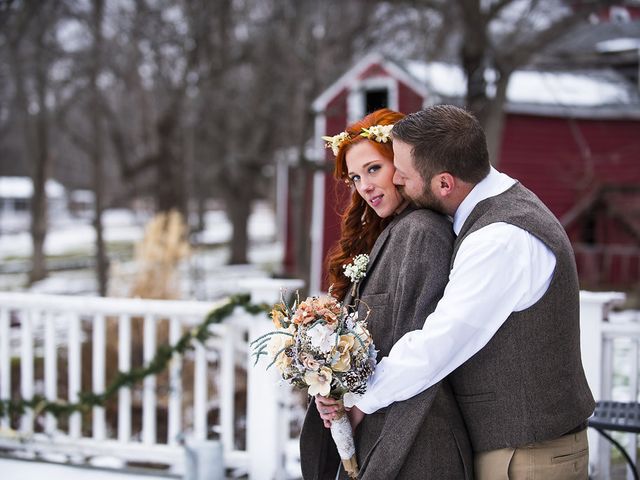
<point x="592" y="92"/>
<point x="586" y="93"/>
<point x="353" y="74"/>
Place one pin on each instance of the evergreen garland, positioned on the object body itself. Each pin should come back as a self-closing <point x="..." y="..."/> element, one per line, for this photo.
<point x="87" y="400"/>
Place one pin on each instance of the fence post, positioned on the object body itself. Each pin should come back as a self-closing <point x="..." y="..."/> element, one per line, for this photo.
<point x="203" y="460"/>
<point x="592" y="305"/>
<point x="264" y="394"/>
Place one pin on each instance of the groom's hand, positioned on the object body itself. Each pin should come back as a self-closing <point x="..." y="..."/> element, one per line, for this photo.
<point x="328" y="408"/>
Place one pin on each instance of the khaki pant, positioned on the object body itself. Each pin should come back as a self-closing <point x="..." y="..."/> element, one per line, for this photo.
<point x="565" y="458"/>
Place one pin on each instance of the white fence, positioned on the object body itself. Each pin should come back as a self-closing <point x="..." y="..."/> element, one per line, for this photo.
<point x="56" y="327"/>
<point x="610" y="347"/>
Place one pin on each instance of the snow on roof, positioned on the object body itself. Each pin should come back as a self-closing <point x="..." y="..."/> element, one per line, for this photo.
<point x="573" y="89"/>
<point x="563" y="88"/>
<point x="22" y="187"/>
<point x="618" y="45"/>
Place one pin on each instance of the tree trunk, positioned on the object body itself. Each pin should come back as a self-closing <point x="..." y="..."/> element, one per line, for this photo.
<point x="97" y="151"/>
<point x="239" y="209"/>
<point x="473" y="56"/>
<point x="300" y="220"/>
<point x="38" y="209"/>
<point x="40" y="168"/>
<point x="34" y="130"/>
<point x="170" y="192"/>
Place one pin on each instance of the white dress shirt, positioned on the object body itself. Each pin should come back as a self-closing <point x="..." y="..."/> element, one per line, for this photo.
<point x="499" y="269"/>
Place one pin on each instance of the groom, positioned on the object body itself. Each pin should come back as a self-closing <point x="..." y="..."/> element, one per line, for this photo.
<point x="507" y="329"/>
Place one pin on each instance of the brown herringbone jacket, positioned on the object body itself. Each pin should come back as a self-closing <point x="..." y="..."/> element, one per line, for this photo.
<point x="423" y="437"/>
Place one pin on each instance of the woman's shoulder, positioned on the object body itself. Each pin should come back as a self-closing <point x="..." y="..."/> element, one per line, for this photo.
<point x="423" y="219"/>
<point x="421" y="224"/>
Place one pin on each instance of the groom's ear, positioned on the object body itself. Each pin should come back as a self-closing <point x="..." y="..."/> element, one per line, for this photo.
<point x="445" y="183"/>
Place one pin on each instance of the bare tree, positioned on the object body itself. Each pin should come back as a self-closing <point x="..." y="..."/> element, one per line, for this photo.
<point x="503" y="36"/>
<point x="150" y="60"/>
<point x="30" y="43"/>
<point x="292" y="50"/>
<point x="97" y="151"/>
<point x="193" y="99"/>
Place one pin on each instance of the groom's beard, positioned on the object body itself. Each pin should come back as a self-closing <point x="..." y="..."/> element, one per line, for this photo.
<point x="425" y="200"/>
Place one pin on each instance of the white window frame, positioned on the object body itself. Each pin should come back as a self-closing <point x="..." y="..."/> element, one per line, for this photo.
<point x="357" y="95"/>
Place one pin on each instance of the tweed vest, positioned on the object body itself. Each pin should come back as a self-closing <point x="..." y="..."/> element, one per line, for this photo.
<point x="527" y="384"/>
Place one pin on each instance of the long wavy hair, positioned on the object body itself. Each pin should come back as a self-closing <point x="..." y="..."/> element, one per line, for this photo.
<point x="359" y="226"/>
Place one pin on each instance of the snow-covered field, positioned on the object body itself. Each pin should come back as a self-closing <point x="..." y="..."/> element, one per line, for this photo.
<point x="75" y="239"/>
<point x="125" y="226"/>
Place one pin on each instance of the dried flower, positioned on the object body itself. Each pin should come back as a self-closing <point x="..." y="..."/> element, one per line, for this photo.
<point x="379" y="133"/>
<point x="335" y="142"/>
<point x="322" y="337"/>
<point x="357" y="270"/>
<point x="319" y="382"/>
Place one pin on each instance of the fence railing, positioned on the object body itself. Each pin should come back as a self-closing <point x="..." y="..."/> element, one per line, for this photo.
<point x="47" y="342"/>
<point x="203" y="394"/>
<point x="610" y="347"/>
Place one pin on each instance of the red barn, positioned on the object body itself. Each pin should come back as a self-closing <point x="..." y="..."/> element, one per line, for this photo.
<point x="571" y="137"/>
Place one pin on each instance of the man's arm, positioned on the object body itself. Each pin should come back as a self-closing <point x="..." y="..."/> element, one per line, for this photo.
<point x="491" y="277"/>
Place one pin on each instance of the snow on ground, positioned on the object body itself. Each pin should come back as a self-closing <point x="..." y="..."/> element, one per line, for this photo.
<point x="125" y="226"/>
<point x="30" y="470"/>
<point x="75" y="237"/>
<point x="203" y="276"/>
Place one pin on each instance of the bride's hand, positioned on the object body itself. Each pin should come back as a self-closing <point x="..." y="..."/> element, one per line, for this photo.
<point x="328" y="408"/>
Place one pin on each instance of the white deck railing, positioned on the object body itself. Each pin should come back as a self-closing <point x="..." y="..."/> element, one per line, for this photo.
<point x="610" y="346"/>
<point x="55" y="327"/>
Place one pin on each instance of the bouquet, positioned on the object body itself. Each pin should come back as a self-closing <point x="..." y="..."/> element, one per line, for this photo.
<point x="322" y="346"/>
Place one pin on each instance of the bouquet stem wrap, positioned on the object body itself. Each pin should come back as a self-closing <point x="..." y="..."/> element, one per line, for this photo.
<point x="343" y="438"/>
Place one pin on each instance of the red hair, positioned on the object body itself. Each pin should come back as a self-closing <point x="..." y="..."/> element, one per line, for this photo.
<point x="359" y="226"/>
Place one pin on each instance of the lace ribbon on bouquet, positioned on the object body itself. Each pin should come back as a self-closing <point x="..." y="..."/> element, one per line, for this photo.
<point x="343" y="438"/>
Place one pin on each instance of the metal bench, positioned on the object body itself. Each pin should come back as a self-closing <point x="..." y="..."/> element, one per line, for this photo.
<point x="617" y="417"/>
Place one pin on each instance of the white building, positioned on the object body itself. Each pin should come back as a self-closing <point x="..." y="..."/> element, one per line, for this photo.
<point x="15" y="198"/>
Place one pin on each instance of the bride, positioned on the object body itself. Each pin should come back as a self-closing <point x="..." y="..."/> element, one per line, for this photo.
<point x="409" y="253"/>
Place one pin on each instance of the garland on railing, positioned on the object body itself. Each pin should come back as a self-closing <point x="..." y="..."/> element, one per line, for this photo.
<point x="162" y="357"/>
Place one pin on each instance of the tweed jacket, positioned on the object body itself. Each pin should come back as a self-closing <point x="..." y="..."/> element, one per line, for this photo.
<point x="423" y="437"/>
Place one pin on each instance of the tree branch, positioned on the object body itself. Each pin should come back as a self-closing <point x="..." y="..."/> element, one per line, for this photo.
<point x="496" y="8"/>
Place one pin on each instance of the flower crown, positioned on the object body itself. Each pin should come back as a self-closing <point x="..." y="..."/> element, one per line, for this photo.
<point x="378" y="133"/>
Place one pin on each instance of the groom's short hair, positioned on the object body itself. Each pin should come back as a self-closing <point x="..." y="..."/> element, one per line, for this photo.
<point x="445" y="138"/>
